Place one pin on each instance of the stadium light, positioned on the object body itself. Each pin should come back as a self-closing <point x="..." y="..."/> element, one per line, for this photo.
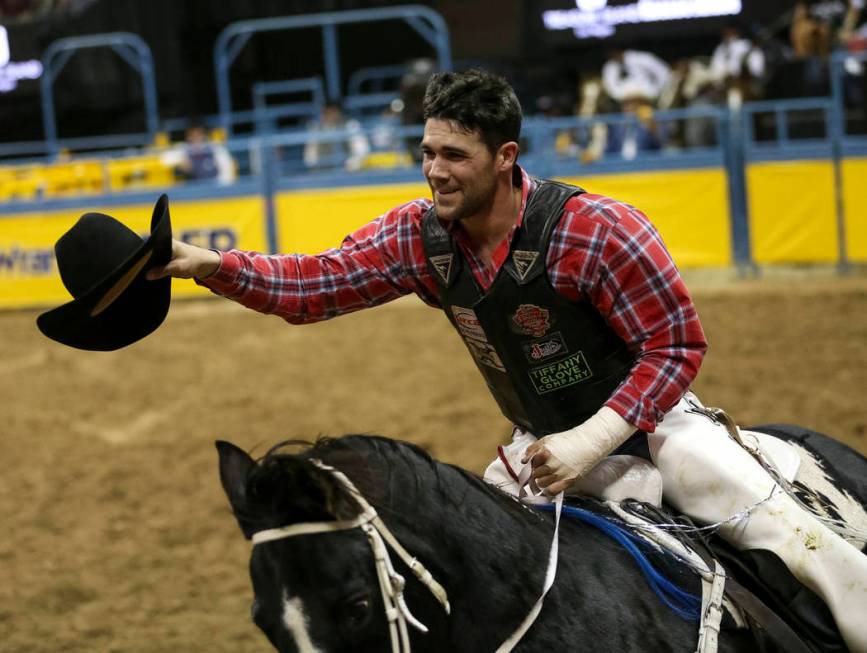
<point x="12" y="72"/>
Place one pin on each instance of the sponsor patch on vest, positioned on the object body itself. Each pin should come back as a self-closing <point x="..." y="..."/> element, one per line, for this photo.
<point x="550" y="345"/>
<point x="561" y="374"/>
<point x="468" y="323"/>
<point x="474" y="335"/>
<point x="484" y="353"/>
<point x="531" y="320"/>
<point x="523" y="261"/>
<point x="443" y="265"/>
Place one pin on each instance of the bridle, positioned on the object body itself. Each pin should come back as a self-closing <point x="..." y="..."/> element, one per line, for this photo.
<point x="391" y="584"/>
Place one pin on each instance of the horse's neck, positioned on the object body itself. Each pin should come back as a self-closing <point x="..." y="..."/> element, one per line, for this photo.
<point x="471" y="540"/>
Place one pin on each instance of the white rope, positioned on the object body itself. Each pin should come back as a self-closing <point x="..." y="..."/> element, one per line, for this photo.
<point x="550" y="574"/>
<point x="839" y="526"/>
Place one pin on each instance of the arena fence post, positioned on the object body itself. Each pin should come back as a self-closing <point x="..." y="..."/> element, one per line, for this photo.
<point x="270" y="174"/>
<point x="732" y="132"/>
<point x="837" y="129"/>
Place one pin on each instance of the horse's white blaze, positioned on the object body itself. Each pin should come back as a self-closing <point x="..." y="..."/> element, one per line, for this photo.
<point x="295" y="621"/>
<point x="812" y="474"/>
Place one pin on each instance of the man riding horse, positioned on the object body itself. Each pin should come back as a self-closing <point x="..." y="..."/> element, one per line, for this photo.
<point x="574" y="313"/>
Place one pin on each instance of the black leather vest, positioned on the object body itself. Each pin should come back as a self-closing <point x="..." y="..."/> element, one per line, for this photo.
<point x="550" y="363"/>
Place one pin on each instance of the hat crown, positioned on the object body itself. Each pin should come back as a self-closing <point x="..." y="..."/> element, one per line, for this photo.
<point x="92" y="249"/>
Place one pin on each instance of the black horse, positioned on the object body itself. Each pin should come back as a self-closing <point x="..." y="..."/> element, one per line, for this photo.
<point x="319" y="592"/>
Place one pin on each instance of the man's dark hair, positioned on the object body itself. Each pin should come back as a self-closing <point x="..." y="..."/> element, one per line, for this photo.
<point x="478" y="101"/>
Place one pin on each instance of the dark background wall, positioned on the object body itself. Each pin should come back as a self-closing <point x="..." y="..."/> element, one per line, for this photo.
<point x="97" y="93"/>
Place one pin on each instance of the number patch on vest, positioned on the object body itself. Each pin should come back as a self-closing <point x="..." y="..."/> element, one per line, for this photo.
<point x="561" y="374"/>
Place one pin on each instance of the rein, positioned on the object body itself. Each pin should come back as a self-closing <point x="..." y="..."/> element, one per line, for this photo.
<point x="391" y="584"/>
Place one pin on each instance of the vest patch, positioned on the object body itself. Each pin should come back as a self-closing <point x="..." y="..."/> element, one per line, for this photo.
<point x="468" y="323"/>
<point x="474" y="336"/>
<point x="523" y="261"/>
<point x="443" y="265"/>
<point x="484" y="353"/>
<point x="538" y="350"/>
<point x="531" y="320"/>
<point x="561" y="374"/>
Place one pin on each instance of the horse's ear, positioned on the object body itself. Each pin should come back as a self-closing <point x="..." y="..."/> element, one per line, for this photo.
<point x="235" y="466"/>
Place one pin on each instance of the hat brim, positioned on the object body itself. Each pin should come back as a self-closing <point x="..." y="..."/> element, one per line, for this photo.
<point x="124" y="307"/>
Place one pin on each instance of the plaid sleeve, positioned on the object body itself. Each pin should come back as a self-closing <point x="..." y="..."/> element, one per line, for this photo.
<point x="622" y="266"/>
<point x="376" y="264"/>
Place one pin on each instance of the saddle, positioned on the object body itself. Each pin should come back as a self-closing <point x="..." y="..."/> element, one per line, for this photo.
<point x="760" y="593"/>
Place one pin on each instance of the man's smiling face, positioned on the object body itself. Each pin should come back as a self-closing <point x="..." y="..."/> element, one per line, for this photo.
<point x="459" y="169"/>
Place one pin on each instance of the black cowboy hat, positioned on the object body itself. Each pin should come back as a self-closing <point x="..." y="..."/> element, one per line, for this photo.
<point x="103" y="263"/>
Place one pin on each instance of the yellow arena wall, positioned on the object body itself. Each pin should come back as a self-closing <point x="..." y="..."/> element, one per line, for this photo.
<point x="791" y="207"/>
<point x="28" y="271"/>
<point x="792" y="212"/>
<point x="855" y="207"/>
<point x="309" y="222"/>
<point x="689" y="207"/>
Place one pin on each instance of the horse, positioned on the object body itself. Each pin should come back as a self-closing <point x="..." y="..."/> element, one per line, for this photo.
<point x="318" y="592"/>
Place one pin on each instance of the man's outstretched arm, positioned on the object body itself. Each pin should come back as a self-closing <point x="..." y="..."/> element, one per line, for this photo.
<point x="376" y="264"/>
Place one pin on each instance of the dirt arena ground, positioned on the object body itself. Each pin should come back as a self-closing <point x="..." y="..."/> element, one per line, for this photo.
<point x="116" y="535"/>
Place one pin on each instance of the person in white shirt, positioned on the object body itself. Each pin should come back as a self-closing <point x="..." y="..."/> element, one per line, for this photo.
<point x="329" y="154"/>
<point x="736" y="56"/>
<point x="631" y="69"/>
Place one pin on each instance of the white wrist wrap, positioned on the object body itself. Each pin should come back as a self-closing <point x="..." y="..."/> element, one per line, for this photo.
<point x="579" y="449"/>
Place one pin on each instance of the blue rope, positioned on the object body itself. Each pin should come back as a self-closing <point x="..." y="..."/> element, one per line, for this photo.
<point x="685" y="605"/>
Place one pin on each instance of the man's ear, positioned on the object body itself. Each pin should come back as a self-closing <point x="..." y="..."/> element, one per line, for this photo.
<point x="235" y="467"/>
<point x="507" y="155"/>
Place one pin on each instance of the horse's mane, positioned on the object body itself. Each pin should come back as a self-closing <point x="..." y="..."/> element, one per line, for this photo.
<point x="374" y="462"/>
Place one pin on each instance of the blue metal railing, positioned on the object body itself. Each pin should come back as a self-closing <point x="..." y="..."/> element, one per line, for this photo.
<point x="425" y="21"/>
<point x="266" y="116"/>
<point x="375" y="77"/>
<point x="131" y="49"/>
<point x="271" y="160"/>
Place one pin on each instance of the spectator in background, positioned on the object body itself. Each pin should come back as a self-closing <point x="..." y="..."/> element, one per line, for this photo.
<point x="336" y="152"/>
<point x="631" y="69"/>
<point x="588" y="142"/>
<point x="811" y="38"/>
<point x="643" y="134"/>
<point x="387" y="146"/>
<point x="853" y="39"/>
<point x="198" y="158"/>
<point x="738" y="65"/>
<point x="700" y="89"/>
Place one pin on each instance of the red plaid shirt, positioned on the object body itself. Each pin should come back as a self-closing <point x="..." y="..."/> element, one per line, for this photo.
<point x="602" y="251"/>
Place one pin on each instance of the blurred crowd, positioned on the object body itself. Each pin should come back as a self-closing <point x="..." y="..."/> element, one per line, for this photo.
<point x="623" y="107"/>
<point x="748" y="64"/>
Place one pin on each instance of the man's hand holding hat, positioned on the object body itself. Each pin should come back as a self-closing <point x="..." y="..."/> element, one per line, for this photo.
<point x="187" y="261"/>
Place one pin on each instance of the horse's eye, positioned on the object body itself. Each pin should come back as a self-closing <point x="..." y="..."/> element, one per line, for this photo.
<point x="356" y="611"/>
